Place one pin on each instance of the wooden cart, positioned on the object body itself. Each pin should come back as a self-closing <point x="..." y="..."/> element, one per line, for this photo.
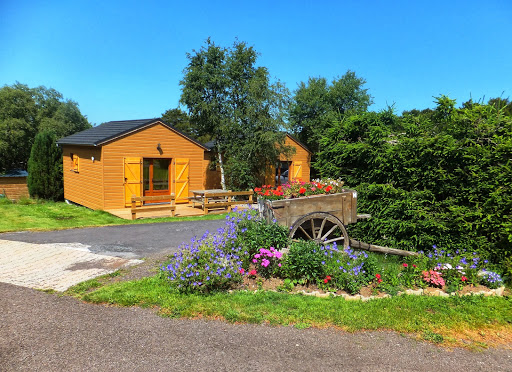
<point x="321" y="218"/>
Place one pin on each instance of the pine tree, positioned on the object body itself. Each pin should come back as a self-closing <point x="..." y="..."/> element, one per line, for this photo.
<point x="45" y="168"/>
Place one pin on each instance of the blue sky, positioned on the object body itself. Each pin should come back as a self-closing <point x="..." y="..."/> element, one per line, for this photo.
<point x="124" y="59"/>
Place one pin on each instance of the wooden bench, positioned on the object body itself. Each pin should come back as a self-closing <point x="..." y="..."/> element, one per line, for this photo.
<point x="222" y="200"/>
<point x="162" y="203"/>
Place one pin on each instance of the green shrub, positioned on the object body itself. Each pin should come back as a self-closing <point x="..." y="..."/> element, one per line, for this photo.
<point x="304" y="262"/>
<point x="45" y="168"/>
<point x="442" y="176"/>
<point x="254" y="234"/>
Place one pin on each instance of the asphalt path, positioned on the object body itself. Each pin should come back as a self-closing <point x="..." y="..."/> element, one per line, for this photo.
<point x="46" y="332"/>
<point x="125" y="241"/>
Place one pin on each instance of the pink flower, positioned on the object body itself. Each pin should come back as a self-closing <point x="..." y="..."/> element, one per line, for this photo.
<point x="279" y="264"/>
<point x="265" y="262"/>
<point x="254" y="260"/>
<point x="404" y="264"/>
<point x="252" y="273"/>
<point x="257" y="255"/>
<point x="242" y="271"/>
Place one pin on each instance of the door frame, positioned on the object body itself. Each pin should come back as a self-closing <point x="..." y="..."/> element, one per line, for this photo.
<point x="151" y="191"/>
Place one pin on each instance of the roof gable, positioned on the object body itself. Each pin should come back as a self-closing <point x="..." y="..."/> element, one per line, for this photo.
<point x="298" y="142"/>
<point x="112" y="130"/>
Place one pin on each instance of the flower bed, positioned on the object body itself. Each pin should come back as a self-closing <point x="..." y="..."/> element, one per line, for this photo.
<point x="295" y="189"/>
<point x="249" y="253"/>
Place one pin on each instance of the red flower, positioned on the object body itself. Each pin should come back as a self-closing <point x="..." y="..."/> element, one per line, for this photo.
<point x="377" y="276"/>
<point x="379" y="281"/>
<point x="328" y="188"/>
<point x="252" y="273"/>
<point x="404" y="264"/>
<point x="463" y="278"/>
<point x="242" y="271"/>
<point x="302" y="190"/>
<point x="325" y="280"/>
<point x="413" y="265"/>
<point x="257" y="189"/>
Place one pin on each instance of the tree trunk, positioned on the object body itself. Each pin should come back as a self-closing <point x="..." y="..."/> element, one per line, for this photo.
<point x="221" y="166"/>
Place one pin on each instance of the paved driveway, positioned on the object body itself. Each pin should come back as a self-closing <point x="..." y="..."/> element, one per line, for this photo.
<point x="60" y="259"/>
<point x="125" y="241"/>
<point x="41" y="332"/>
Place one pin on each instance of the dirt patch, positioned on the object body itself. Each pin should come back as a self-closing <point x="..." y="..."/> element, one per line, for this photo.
<point x="107" y="264"/>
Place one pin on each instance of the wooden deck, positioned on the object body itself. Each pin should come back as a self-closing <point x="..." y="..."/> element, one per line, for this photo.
<point x="182" y="210"/>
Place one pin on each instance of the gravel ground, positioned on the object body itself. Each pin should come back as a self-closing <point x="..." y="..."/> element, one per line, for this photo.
<point x="46" y="332"/>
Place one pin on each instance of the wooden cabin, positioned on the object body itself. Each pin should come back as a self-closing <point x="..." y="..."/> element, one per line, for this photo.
<point x="13" y="184"/>
<point x="106" y="165"/>
<point x="297" y="167"/>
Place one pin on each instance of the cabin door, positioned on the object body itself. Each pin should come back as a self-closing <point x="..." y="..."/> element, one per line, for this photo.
<point x="156" y="177"/>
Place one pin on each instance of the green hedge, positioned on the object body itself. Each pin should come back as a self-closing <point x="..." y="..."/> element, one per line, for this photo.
<point x="441" y="177"/>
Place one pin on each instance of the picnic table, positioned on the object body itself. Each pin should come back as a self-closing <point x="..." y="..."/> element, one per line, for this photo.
<point x="218" y="199"/>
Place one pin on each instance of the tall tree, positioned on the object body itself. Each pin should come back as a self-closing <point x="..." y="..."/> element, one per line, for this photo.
<point x="45" y="168"/>
<point x="232" y="100"/>
<point x="24" y="112"/>
<point x="317" y="103"/>
<point x="180" y="120"/>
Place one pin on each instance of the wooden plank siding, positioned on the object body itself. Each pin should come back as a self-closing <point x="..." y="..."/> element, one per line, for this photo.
<point x="211" y="176"/>
<point x="301" y="155"/>
<point x="144" y="144"/>
<point x="14" y="188"/>
<point x="84" y="187"/>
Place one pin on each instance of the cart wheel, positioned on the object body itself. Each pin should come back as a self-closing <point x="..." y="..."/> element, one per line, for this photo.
<point x="321" y="227"/>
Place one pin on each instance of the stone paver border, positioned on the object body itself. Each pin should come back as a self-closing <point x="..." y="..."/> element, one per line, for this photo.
<point x="55" y="266"/>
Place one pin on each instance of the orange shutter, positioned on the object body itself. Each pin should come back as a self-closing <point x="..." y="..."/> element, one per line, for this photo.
<point x="132" y="179"/>
<point x="181" y="169"/>
<point x="297" y="171"/>
<point x="75" y="163"/>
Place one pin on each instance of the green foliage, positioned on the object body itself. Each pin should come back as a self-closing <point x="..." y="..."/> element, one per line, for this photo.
<point x="232" y="100"/>
<point x="180" y="120"/>
<point x="254" y="234"/>
<point x="45" y="168"/>
<point x="439" y="177"/>
<point x="304" y="261"/>
<point x="317" y="103"/>
<point x="26" y="111"/>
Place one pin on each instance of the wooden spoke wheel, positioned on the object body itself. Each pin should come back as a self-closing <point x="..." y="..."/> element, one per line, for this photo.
<point x="321" y="227"/>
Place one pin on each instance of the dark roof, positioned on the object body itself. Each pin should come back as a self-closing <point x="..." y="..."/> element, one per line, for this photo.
<point x="15" y="173"/>
<point x="106" y="132"/>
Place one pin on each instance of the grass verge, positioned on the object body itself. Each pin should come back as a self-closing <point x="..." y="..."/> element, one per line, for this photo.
<point x="40" y="216"/>
<point x="469" y="321"/>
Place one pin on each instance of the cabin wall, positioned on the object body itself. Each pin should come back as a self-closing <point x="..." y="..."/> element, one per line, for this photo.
<point x="84" y="187"/>
<point x="211" y="176"/>
<point x="14" y="188"/>
<point x="143" y="144"/>
<point x="301" y="155"/>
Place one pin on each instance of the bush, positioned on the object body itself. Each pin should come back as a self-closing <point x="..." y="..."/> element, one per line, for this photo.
<point x="45" y="168"/>
<point x="254" y="234"/>
<point x="442" y="176"/>
<point x="304" y="262"/>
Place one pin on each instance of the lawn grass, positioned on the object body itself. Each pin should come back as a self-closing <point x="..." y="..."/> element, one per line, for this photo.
<point x="461" y="321"/>
<point x="39" y="216"/>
